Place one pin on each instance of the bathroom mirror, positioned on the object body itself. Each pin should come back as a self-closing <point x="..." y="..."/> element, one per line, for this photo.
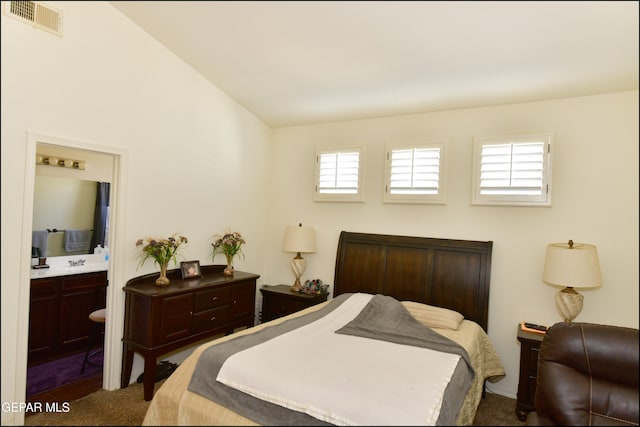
<point x="67" y="205"/>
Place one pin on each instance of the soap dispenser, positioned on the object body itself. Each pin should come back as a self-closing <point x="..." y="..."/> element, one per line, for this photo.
<point x="98" y="250"/>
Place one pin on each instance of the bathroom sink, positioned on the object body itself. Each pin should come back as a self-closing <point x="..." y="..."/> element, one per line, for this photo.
<point x="87" y="267"/>
<point x="76" y="268"/>
<point x="59" y="266"/>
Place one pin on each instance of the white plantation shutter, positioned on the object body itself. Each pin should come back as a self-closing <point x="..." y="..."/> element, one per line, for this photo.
<point x="513" y="170"/>
<point x="338" y="174"/>
<point x="415" y="174"/>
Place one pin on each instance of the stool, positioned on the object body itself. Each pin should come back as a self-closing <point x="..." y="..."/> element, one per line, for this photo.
<point x="98" y="318"/>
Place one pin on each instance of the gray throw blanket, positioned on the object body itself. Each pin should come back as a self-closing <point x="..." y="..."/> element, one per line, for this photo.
<point x="385" y="318"/>
<point x="395" y="324"/>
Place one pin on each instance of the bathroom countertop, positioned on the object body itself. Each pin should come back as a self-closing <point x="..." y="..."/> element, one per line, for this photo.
<point x="59" y="266"/>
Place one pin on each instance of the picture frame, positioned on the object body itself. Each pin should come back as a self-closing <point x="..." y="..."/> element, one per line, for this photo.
<point x="190" y="269"/>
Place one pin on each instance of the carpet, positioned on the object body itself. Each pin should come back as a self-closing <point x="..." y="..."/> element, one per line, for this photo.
<point x="126" y="407"/>
<point x="49" y="375"/>
<point x="123" y="407"/>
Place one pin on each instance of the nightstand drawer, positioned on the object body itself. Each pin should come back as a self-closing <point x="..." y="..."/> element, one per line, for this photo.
<point x="533" y="353"/>
<point x="282" y="307"/>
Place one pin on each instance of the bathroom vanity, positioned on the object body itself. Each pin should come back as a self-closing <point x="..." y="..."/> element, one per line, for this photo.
<point x="62" y="297"/>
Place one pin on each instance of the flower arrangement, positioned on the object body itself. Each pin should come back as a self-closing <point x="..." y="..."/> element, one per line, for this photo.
<point x="162" y="251"/>
<point x="230" y="245"/>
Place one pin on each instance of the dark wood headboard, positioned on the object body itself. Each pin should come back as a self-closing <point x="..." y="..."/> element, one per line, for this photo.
<point x="443" y="272"/>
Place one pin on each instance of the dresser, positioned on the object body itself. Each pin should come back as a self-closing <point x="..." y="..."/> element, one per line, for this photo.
<point x="279" y="300"/>
<point x="529" y="350"/>
<point x="161" y="319"/>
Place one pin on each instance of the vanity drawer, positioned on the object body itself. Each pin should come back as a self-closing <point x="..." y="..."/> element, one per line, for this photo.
<point x="44" y="288"/>
<point x="84" y="280"/>
<point x="210" y="319"/>
<point x="212" y="298"/>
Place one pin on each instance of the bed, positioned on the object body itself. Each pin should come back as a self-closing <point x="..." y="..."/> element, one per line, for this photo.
<point x="440" y="283"/>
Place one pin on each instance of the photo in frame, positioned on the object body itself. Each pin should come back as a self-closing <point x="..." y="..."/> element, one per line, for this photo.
<point x="190" y="269"/>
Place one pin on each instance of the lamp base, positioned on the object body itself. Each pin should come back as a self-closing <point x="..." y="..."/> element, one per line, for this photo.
<point x="296" y="285"/>
<point x="569" y="303"/>
<point x="298" y="265"/>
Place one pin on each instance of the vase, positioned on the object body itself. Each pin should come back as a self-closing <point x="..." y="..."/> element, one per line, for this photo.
<point x="163" y="280"/>
<point x="228" y="271"/>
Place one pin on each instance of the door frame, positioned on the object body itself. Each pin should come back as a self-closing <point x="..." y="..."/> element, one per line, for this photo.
<point x="115" y="272"/>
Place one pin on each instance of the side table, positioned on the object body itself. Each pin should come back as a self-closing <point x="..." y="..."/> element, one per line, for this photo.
<point x="529" y="350"/>
<point x="280" y="300"/>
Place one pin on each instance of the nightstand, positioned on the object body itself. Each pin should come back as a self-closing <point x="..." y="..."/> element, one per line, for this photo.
<point x="529" y="351"/>
<point x="279" y="300"/>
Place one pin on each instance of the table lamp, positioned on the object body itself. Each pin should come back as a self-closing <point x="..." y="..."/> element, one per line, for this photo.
<point x="299" y="239"/>
<point x="573" y="266"/>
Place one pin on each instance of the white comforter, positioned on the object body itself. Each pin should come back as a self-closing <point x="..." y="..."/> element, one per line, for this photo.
<point x="413" y="384"/>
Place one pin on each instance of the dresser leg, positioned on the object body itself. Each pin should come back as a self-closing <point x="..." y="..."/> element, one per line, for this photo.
<point x="127" y="364"/>
<point x="149" y="377"/>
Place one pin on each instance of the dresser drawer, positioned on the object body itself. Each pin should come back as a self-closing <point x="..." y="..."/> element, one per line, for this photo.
<point x="212" y="298"/>
<point x="210" y="319"/>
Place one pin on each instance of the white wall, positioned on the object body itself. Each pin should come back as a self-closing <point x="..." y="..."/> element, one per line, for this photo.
<point x="595" y="200"/>
<point x="198" y="163"/>
<point x="196" y="158"/>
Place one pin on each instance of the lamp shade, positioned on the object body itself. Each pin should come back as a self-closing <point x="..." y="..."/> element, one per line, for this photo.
<point x="571" y="264"/>
<point x="299" y="239"/>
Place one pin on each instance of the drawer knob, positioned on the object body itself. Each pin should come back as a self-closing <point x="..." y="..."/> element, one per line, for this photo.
<point x="213" y="318"/>
<point x="214" y="298"/>
<point x="191" y="313"/>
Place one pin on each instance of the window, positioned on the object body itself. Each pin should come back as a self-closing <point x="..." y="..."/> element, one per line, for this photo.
<point x="414" y="174"/>
<point x="339" y="175"/>
<point x="513" y="170"/>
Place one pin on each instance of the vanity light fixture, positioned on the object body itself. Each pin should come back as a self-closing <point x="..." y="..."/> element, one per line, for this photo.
<point x="43" y="159"/>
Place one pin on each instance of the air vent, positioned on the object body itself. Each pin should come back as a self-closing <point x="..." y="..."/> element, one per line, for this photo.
<point x="37" y="14"/>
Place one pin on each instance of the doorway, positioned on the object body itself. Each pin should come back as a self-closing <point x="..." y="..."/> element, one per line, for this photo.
<point x="68" y="202"/>
<point x="114" y="300"/>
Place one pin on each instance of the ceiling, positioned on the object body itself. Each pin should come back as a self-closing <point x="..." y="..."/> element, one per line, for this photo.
<point x="302" y="62"/>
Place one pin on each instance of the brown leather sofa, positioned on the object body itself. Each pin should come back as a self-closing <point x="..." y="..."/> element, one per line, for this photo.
<point x="587" y="375"/>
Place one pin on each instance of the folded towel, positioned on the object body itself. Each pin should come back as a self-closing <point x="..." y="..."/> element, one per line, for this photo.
<point x="39" y="239"/>
<point x="77" y="240"/>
